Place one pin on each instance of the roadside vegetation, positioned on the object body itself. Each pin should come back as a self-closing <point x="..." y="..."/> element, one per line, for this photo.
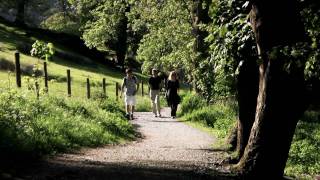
<point x="219" y="118"/>
<point x="36" y="127"/>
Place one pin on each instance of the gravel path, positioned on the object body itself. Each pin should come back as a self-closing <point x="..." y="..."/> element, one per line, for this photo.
<point x="163" y="140"/>
<point x="167" y="149"/>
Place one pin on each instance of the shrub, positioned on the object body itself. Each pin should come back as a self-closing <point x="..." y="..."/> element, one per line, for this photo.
<point x="42" y="50"/>
<point x="219" y="117"/>
<point x="191" y="102"/>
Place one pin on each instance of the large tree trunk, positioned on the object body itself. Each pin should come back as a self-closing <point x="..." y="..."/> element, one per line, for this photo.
<point x="248" y="87"/>
<point x="280" y="104"/>
<point x="281" y="95"/>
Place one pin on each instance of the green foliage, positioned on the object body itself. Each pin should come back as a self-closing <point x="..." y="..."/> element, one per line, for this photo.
<point x="311" y="20"/>
<point x="191" y="102"/>
<point x="219" y="116"/>
<point x="61" y="22"/>
<point x="42" y="50"/>
<point x="165" y="47"/>
<point x="48" y="125"/>
<point x="231" y="41"/>
<point x="104" y="26"/>
<point x="304" y="157"/>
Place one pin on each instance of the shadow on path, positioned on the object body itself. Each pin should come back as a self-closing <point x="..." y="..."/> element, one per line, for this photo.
<point x="93" y="170"/>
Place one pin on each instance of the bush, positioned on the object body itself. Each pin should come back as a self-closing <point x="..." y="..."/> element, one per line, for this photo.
<point x="42" y="50"/>
<point x="191" y="102"/>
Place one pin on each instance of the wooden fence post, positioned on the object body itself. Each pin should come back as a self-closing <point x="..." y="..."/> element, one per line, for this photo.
<point x="45" y="77"/>
<point x="142" y="90"/>
<point x="37" y="89"/>
<point x="18" y="70"/>
<point x="88" y="88"/>
<point x="69" y="82"/>
<point x="117" y="90"/>
<point x="104" y="87"/>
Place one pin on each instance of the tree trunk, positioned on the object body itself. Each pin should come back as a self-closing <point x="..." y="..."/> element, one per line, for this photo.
<point x="248" y="87"/>
<point x="281" y="95"/>
<point x="20" y="12"/>
<point x="121" y="46"/>
<point x="199" y="15"/>
<point x="280" y="105"/>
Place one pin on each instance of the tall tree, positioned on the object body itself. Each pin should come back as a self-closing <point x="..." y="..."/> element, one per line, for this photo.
<point x="105" y="25"/>
<point x="281" y="94"/>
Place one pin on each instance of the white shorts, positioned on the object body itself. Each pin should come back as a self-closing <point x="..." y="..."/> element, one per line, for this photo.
<point x="130" y="100"/>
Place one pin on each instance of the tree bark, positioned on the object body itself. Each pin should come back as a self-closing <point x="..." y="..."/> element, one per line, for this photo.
<point x="281" y="94"/>
<point x="248" y="87"/>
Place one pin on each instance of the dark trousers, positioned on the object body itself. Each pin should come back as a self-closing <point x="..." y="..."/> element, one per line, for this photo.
<point x="174" y="108"/>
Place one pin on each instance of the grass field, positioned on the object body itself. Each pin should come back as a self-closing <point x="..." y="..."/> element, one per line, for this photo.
<point x="50" y="124"/>
<point x="12" y="38"/>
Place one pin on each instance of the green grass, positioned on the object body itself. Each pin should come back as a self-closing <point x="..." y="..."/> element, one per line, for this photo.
<point x="11" y="38"/>
<point x="304" y="156"/>
<point x="219" y="117"/>
<point x="36" y="127"/>
<point x="57" y="123"/>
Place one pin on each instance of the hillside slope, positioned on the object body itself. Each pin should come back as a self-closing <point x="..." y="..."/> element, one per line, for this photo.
<point x="66" y="57"/>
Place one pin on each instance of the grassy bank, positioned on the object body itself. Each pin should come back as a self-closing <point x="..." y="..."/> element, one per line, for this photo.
<point x="218" y="119"/>
<point x="36" y="127"/>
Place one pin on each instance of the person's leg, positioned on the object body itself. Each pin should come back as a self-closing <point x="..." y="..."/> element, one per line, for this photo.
<point x="133" y="103"/>
<point x="174" y="110"/>
<point x="153" y="105"/>
<point x="157" y="102"/>
<point x="127" y="106"/>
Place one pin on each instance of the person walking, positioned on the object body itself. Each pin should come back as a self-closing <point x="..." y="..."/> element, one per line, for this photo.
<point x="130" y="85"/>
<point x="155" y="86"/>
<point x="172" y="96"/>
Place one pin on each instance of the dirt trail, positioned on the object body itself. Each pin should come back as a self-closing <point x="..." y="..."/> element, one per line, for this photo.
<point x="167" y="149"/>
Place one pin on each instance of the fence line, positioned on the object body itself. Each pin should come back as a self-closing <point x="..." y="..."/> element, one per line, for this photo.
<point x="69" y="83"/>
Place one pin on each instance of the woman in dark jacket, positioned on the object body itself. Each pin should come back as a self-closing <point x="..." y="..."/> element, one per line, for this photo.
<point x="173" y="98"/>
